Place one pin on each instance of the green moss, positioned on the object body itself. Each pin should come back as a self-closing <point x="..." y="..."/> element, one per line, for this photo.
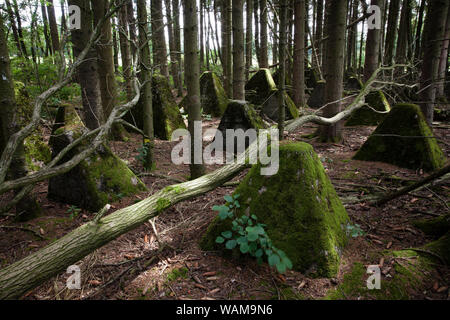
<point x="435" y="227"/>
<point x="177" y="189"/>
<point x="300" y="207"/>
<point x="366" y="116"/>
<point x="441" y="249"/>
<point x="37" y="152"/>
<point x="162" y="203"/>
<point x="177" y="273"/>
<point x="213" y="97"/>
<point x="398" y="140"/>
<point x="407" y="277"/>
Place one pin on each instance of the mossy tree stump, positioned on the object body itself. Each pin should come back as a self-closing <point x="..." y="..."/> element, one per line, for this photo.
<point x="365" y="116"/>
<point x="304" y="216"/>
<point x="262" y="92"/>
<point x="166" y="115"/>
<point x="403" y="139"/>
<point x="99" y="179"/>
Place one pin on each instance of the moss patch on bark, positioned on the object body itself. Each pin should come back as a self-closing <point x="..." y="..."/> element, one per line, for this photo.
<point x="404" y="139"/>
<point x="304" y="216"/>
<point x="99" y="179"/>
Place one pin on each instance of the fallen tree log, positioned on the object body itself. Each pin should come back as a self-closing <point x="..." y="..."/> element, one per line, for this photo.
<point x="23" y="275"/>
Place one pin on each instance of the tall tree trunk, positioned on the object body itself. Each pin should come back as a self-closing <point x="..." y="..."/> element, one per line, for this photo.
<point x="12" y="21"/>
<point x="373" y="46"/>
<point x="238" y="51"/>
<point x="403" y="42"/>
<point x="115" y="46"/>
<point x="275" y="36"/>
<point x="351" y="41"/>
<point x="48" y="45"/>
<point x="336" y="12"/>
<point x="28" y="207"/>
<point x="202" y="47"/>
<point x="319" y="31"/>
<point x="444" y="59"/>
<point x="282" y="53"/>
<point x="23" y="48"/>
<point x="131" y="27"/>
<point x="53" y="26"/>
<point x="433" y="40"/>
<point x="264" y="63"/>
<point x="257" y="45"/>
<point x="172" y="45"/>
<point x="418" y="39"/>
<point x="227" y="49"/>
<point x="125" y="51"/>
<point x="389" y="47"/>
<point x="177" y="39"/>
<point x="145" y="77"/>
<point x="299" y="54"/>
<point x="88" y="76"/>
<point x="159" y="39"/>
<point x="191" y="66"/>
<point x="106" y="71"/>
<point x="249" y="39"/>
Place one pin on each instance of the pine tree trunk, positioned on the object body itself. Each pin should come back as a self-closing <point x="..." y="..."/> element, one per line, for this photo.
<point x="444" y="59"/>
<point x="433" y="40"/>
<point x="191" y="67"/>
<point x="391" y="35"/>
<point x="23" y="48"/>
<point x="256" y="18"/>
<point x="177" y="39"/>
<point x="418" y="40"/>
<point x="299" y="54"/>
<point x="249" y="39"/>
<point x="131" y="27"/>
<point x="48" y="45"/>
<point x="145" y="76"/>
<point x="403" y="42"/>
<point x="158" y="37"/>
<point x="335" y="27"/>
<point x="227" y="51"/>
<point x="264" y="63"/>
<point x="53" y="26"/>
<point x="373" y="46"/>
<point x="172" y="45"/>
<point x="282" y="79"/>
<point x="125" y="51"/>
<point x="88" y="76"/>
<point x="238" y="50"/>
<point x="13" y="27"/>
<point x="319" y="31"/>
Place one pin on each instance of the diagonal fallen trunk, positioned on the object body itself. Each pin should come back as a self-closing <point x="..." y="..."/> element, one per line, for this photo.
<point x="28" y="273"/>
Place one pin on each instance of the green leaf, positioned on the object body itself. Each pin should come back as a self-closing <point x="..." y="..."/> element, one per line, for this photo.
<point x="228" y="198"/>
<point x="254" y="217"/>
<point x="231" y="244"/>
<point x="223" y="215"/>
<point x="273" y="259"/>
<point x="237" y="195"/>
<point x="244" y="247"/>
<point x="281" y="267"/>
<point x="220" y="240"/>
<point x="259" y="253"/>
<point x="227" y="234"/>
<point x="242" y="240"/>
<point x="252" y="237"/>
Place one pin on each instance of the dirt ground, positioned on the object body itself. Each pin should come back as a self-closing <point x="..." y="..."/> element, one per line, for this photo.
<point x="170" y="264"/>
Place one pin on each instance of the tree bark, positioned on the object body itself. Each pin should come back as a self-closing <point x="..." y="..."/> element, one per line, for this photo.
<point x="249" y="38"/>
<point x="434" y="33"/>
<point x="282" y="53"/>
<point x="373" y="46"/>
<point x="125" y="50"/>
<point x="404" y="34"/>
<point x="12" y="21"/>
<point x="53" y="26"/>
<point x="299" y="54"/>
<point x="158" y="37"/>
<point x="264" y="63"/>
<point x="391" y="35"/>
<point x="238" y="51"/>
<point x="444" y="60"/>
<point x="172" y="45"/>
<point x="88" y="76"/>
<point x="418" y="40"/>
<point x="177" y="38"/>
<point x="191" y="65"/>
<point x="336" y="12"/>
<point x="48" y="45"/>
<point x="146" y="79"/>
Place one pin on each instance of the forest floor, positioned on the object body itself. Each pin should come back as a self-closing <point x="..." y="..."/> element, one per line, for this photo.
<point x="170" y="265"/>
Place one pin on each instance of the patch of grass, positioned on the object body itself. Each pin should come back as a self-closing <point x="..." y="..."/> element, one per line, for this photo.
<point x="177" y="273"/>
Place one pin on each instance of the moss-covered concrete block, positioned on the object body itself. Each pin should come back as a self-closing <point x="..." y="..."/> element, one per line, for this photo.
<point x="404" y="139"/>
<point x="353" y="84"/>
<point x="99" y="179"/>
<point x="317" y="97"/>
<point x="166" y="114"/>
<point x="304" y="216"/>
<point x="213" y="97"/>
<point x="312" y="78"/>
<point x="262" y="92"/>
<point x="365" y="116"/>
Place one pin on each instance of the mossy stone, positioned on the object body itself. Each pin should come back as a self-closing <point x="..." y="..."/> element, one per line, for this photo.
<point x="262" y="92"/>
<point x="317" y="97"/>
<point x="366" y="116"/>
<point x="403" y="139"/>
<point x="304" y="216"/>
<point x="99" y="179"/>
<point x="435" y="227"/>
<point x="353" y="84"/>
<point x="312" y="78"/>
<point x="213" y="97"/>
<point x="166" y="115"/>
